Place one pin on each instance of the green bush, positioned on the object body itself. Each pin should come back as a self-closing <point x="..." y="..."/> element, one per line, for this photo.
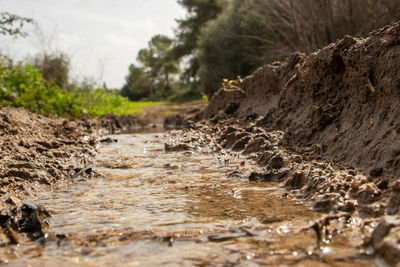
<point x="21" y="85"/>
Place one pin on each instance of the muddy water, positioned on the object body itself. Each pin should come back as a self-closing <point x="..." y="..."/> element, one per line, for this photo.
<point x="152" y="208"/>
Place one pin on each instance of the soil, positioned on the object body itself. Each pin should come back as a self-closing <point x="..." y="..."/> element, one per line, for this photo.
<point x="324" y="126"/>
<point x="36" y="151"/>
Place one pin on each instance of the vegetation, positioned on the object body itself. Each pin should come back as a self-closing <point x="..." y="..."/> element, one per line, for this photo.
<point x="21" y="85"/>
<point x="217" y="39"/>
<point x="153" y="77"/>
<point x="11" y="24"/>
<point x="44" y="86"/>
<point x="225" y="38"/>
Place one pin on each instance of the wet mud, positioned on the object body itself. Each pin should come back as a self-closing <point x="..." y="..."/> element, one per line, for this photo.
<point x="299" y="167"/>
<point x="154" y="206"/>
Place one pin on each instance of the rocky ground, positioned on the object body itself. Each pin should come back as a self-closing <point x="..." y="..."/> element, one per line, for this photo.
<point x="324" y="126"/>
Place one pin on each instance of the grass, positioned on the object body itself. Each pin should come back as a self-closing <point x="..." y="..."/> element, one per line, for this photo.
<point x="136" y="108"/>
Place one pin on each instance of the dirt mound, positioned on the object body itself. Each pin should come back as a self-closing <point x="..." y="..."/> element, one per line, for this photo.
<point x="343" y="100"/>
<point x="38" y="150"/>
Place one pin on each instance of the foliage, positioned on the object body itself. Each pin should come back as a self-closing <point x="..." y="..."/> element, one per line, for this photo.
<point x="23" y="86"/>
<point x="11" y="24"/>
<point x="154" y="76"/>
<point x="138" y="84"/>
<point x="222" y="50"/>
<point x="285" y="26"/>
<point x="251" y="33"/>
<point x="200" y="12"/>
<point x="157" y="62"/>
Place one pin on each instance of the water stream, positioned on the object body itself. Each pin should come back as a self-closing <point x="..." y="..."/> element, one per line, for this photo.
<point x="153" y="208"/>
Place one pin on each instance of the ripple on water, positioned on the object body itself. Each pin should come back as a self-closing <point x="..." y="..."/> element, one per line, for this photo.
<point x="175" y="208"/>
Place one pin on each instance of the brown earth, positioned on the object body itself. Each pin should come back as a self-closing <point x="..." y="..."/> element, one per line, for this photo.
<point x="36" y="151"/>
<point x="325" y="126"/>
<point x="344" y="99"/>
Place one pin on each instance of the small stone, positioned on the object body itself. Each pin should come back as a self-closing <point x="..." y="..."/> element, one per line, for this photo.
<point x="355" y="185"/>
<point x="276" y="162"/>
<point x="298" y="159"/>
<point x="14" y="201"/>
<point x="383" y="228"/>
<point x="389" y="248"/>
<point x="297" y="180"/>
<point x="176" y="148"/>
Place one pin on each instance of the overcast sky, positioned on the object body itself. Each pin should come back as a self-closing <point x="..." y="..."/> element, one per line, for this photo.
<point x="102" y="37"/>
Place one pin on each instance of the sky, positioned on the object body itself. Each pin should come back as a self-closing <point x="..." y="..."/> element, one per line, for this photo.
<point x="101" y="37"/>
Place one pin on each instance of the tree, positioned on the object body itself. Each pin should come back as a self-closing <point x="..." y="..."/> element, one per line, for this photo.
<point x="11" y="24"/>
<point x="285" y="26"/>
<point x="137" y="84"/>
<point x="251" y="33"/>
<point x="200" y="12"/>
<point x="222" y="50"/>
<point x="157" y="62"/>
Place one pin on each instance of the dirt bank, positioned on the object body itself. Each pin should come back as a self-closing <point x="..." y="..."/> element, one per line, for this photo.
<point x="343" y="99"/>
<point x="326" y="126"/>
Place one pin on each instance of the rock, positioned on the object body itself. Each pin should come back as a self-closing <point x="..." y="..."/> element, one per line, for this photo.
<point x="297" y="180"/>
<point x="189" y="124"/>
<point x="276" y="162"/>
<point x="241" y="143"/>
<point x="386" y="223"/>
<point x="255" y="144"/>
<point x="327" y="201"/>
<point x="108" y="140"/>
<point x="232" y="138"/>
<point x="269" y="176"/>
<point x="394" y="202"/>
<point x="298" y="159"/>
<point x="264" y="157"/>
<point x="368" y="193"/>
<point x="389" y="248"/>
<point x="27" y="218"/>
<point x="386" y="239"/>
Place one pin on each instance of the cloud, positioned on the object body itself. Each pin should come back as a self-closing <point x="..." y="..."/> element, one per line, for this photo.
<point x="115" y="39"/>
<point x="90" y="30"/>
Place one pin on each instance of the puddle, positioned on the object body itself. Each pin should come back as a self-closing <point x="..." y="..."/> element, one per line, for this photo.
<point x="153" y="208"/>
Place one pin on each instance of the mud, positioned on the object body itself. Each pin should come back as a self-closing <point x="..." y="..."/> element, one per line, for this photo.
<point x="325" y="125"/>
<point x="323" y="128"/>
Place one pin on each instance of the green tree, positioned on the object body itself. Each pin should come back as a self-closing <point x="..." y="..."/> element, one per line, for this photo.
<point x="251" y="33"/>
<point x="223" y="52"/>
<point x="200" y="12"/>
<point x="157" y="62"/>
<point x="137" y="85"/>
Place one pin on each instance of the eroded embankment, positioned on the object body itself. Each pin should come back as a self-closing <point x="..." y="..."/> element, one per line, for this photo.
<point x="326" y="126"/>
<point x="343" y="100"/>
